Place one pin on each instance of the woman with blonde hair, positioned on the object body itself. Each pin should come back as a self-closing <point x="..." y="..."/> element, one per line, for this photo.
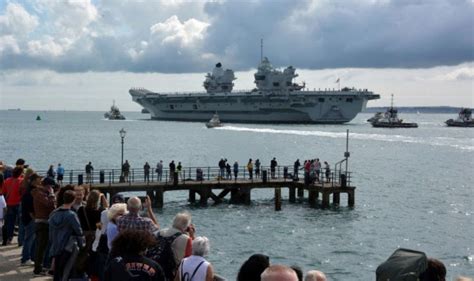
<point x="115" y="211"/>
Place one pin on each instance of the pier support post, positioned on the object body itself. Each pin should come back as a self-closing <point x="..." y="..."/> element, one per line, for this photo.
<point x="159" y="197"/>
<point x="192" y="196"/>
<point x="277" y="198"/>
<point x="336" y="198"/>
<point x="350" y="198"/>
<point x="325" y="203"/>
<point x="300" y="192"/>
<point x="292" y="191"/>
<point x="312" y="197"/>
<point x="204" y="192"/>
<point x="245" y="195"/>
<point x="234" y="196"/>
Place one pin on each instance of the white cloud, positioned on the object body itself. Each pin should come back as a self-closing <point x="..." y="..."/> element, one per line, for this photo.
<point x="463" y="73"/>
<point x="46" y="47"/>
<point x="8" y="44"/>
<point x="173" y="31"/>
<point x="17" y="21"/>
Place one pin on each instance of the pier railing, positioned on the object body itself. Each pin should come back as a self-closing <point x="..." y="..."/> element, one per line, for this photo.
<point x="202" y="174"/>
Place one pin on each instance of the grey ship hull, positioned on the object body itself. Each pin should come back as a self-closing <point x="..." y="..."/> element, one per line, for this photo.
<point x="329" y="107"/>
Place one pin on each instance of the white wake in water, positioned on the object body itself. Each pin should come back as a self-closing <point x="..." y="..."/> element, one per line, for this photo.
<point x="435" y="141"/>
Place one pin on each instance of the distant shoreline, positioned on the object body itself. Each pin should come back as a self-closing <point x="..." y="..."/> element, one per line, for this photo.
<point x="405" y="109"/>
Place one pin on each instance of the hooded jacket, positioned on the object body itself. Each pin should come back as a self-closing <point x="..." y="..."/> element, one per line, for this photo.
<point x="63" y="223"/>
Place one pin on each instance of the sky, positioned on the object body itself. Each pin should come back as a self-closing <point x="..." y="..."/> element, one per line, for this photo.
<point x="82" y="54"/>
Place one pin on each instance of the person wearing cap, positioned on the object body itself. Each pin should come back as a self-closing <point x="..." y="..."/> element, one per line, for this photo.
<point x="44" y="203"/>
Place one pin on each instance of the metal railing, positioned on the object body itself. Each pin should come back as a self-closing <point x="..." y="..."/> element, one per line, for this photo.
<point x="203" y="174"/>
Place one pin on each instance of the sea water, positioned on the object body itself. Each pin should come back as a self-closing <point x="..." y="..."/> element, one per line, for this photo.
<point x="414" y="186"/>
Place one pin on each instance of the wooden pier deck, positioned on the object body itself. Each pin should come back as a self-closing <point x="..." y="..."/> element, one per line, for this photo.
<point x="239" y="190"/>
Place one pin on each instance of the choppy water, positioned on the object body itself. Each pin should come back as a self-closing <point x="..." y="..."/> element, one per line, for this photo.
<point x="414" y="186"/>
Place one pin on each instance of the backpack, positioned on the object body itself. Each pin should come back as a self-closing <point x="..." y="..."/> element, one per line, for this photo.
<point x="403" y="264"/>
<point x="162" y="253"/>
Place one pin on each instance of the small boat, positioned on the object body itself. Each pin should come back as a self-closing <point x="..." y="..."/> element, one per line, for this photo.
<point x="114" y="113"/>
<point x="390" y="120"/>
<point x="464" y="119"/>
<point x="38" y="118"/>
<point x="214" y="122"/>
<point x="377" y="116"/>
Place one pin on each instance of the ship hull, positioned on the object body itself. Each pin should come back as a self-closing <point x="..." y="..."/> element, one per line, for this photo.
<point x="326" y="107"/>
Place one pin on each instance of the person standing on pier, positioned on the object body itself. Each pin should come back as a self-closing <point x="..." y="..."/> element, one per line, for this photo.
<point x="159" y="170"/>
<point x="228" y="171"/>
<point x="60" y="174"/>
<point x="257" y="168"/>
<point x="89" y="169"/>
<point x="317" y="167"/>
<point x="11" y="190"/>
<point x="172" y="170"/>
<point x="146" y="172"/>
<point x="250" y="168"/>
<point x="221" y="168"/>
<point x="51" y="174"/>
<point x="179" y="169"/>
<point x="296" y="168"/>
<point x="273" y="165"/>
<point x="327" y="170"/>
<point x="126" y="170"/>
<point x="236" y="170"/>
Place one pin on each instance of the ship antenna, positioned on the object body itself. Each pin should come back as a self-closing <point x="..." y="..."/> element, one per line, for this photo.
<point x="261" y="49"/>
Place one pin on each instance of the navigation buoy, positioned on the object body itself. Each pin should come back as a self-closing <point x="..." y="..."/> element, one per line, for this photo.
<point x="38" y="118"/>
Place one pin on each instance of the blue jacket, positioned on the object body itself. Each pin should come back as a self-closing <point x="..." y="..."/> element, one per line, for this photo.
<point x="63" y="223"/>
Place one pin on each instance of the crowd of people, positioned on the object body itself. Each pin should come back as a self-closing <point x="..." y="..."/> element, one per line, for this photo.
<point x="71" y="232"/>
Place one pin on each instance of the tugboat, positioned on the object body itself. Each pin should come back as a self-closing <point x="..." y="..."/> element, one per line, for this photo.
<point x="214" y="122"/>
<point x="114" y="113"/>
<point x="464" y="119"/>
<point x="391" y="120"/>
<point x="377" y="116"/>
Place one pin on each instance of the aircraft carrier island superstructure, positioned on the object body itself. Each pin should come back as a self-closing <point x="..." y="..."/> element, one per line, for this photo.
<point x="276" y="99"/>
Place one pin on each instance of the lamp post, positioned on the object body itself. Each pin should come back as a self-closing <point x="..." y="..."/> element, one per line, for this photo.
<point x="122" y="136"/>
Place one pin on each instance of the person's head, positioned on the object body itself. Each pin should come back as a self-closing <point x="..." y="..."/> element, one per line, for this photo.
<point x="325" y="162"/>
<point x="80" y="193"/>
<point x="68" y="198"/>
<point x="131" y="242"/>
<point x="35" y="180"/>
<point x="93" y="200"/>
<point x="161" y="161"/>
<point x="201" y="246"/>
<point x="134" y="204"/>
<point x="116" y="210"/>
<point x="20" y="163"/>
<point x="279" y="272"/>
<point x="181" y="221"/>
<point x="51" y="166"/>
<point x="59" y="164"/>
<point x="315" y="275"/>
<point x="118" y="198"/>
<point x="298" y="271"/>
<point x="61" y="192"/>
<point x="90" y="163"/>
<point x="436" y="271"/>
<point x="17" y="171"/>
<point x="252" y="268"/>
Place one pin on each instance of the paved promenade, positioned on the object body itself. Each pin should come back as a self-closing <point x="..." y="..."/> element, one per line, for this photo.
<point x="10" y="268"/>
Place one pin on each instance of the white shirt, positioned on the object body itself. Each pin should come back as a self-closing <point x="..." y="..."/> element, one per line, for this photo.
<point x="3" y="205"/>
<point x="189" y="265"/>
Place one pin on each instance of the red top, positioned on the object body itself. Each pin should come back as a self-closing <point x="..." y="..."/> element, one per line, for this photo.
<point x="11" y="190"/>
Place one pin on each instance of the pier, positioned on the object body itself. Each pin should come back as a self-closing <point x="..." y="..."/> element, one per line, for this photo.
<point x="207" y="185"/>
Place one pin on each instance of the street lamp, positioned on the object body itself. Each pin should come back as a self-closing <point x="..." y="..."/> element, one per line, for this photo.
<point x="122" y="135"/>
